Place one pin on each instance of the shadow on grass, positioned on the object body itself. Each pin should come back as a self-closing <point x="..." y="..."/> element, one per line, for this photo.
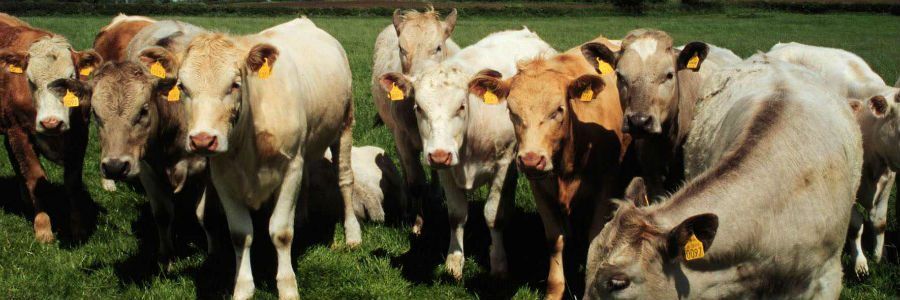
<point x="58" y="207"/>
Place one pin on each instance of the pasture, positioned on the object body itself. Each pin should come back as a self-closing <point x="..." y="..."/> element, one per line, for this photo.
<point x="118" y="260"/>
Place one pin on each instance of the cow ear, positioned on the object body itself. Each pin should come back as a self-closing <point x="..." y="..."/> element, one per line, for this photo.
<point x="163" y="87"/>
<point x="879" y="106"/>
<point x="261" y="59"/>
<point x="86" y="62"/>
<point x="600" y="57"/>
<point x="586" y="88"/>
<point x="397" y="19"/>
<point x="489" y="85"/>
<point x="13" y="61"/>
<point x="160" y="61"/>
<point x="692" y="56"/>
<point x="449" y="23"/>
<point x="700" y="228"/>
<point x="396" y="85"/>
<point x="637" y="192"/>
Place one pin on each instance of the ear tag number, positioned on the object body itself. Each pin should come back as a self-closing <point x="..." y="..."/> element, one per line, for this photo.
<point x="70" y="100"/>
<point x="157" y="69"/>
<point x="587" y="95"/>
<point x="15" y="69"/>
<point x="694" y="62"/>
<point x="265" y="71"/>
<point x="693" y="249"/>
<point x="174" y="94"/>
<point x="490" y="97"/>
<point x="395" y="94"/>
<point x="604" y="67"/>
<point x="86" y="71"/>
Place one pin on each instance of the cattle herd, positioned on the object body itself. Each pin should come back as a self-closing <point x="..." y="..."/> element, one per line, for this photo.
<point x="673" y="171"/>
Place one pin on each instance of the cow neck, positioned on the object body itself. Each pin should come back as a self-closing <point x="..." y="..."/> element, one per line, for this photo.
<point x="165" y="142"/>
<point x="687" y="89"/>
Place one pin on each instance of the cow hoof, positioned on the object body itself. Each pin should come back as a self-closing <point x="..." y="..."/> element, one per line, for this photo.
<point x="108" y="185"/>
<point x="243" y="290"/>
<point x="417" y="227"/>
<point x="454" y="265"/>
<point x="42" y="232"/>
<point x="862" y="267"/>
<point x="287" y="289"/>
<point x="376" y="215"/>
<point x="352" y="233"/>
<point x="44" y="236"/>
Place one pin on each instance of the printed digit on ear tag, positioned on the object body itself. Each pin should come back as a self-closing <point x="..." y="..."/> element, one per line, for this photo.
<point x="157" y="69"/>
<point x="395" y="94"/>
<point x="265" y="71"/>
<point x="70" y="100"/>
<point x="587" y="95"/>
<point x="86" y="71"/>
<point x="174" y="94"/>
<point x="604" y="67"/>
<point x="490" y="97"/>
<point x="694" y="62"/>
<point x="693" y="249"/>
<point x="15" y="69"/>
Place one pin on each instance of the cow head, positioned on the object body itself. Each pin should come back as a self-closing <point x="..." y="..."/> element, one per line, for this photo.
<point x="441" y="108"/>
<point x="649" y="70"/>
<point x="53" y="71"/>
<point x="216" y="72"/>
<point x="423" y="36"/>
<point x="127" y="102"/>
<point x="881" y="120"/>
<point x="633" y="255"/>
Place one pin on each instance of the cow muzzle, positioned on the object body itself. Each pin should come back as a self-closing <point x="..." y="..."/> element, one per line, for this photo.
<point x="533" y="165"/>
<point x="638" y="123"/>
<point x="118" y="168"/>
<point x="440" y="159"/>
<point x="204" y="143"/>
<point x="52" y="126"/>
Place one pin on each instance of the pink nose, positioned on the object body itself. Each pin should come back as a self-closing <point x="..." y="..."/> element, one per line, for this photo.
<point x="533" y="161"/>
<point x="51" y="123"/>
<point x="440" y="158"/>
<point x="204" y="142"/>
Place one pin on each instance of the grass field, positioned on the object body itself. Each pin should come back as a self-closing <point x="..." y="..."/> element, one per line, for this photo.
<point x="118" y="261"/>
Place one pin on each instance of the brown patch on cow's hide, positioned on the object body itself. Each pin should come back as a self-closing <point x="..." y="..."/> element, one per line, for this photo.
<point x="111" y="43"/>
<point x="880" y="227"/>
<point x="265" y="144"/>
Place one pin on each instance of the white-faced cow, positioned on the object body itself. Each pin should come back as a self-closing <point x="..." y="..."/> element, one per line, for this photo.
<point x="852" y="77"/>
<point x="44" y="109"/>
<point x="260" y="106"/>
<point x="470" y="142"/>
<point x="765" y="211"/>
<point x="413" y="41"/>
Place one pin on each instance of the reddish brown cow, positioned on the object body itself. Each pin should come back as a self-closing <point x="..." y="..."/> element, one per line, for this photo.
<point x="568" y="123"/>
<point x="29" y="72"/>
<point x="113" y="39"/>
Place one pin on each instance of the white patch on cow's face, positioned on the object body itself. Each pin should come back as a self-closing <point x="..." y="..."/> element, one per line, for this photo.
<point x="442" y="112"/>
<point x="212" y="85"/>
<point x="49" y="59"/>
<point x="644" y="47"/>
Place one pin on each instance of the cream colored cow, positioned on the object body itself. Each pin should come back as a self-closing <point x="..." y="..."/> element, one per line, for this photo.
<point x="261" y="106"/>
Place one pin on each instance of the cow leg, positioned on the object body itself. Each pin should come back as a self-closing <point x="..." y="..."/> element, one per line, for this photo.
<point x="878" y="212"/>
<point x="553" y="221"/>
<point x="281" y="228"/>
<point x="26" y="161"/>
<point x="415" y="178"/>
<point x="241" y="227"/>
<point x="163" y="206"/>
<point x="457" y="211"/>
<point x="76" y="144"/>
<point x="502" y="192"/>
<point x="341" y="153"/>
<point x="108" y="185"/>
<point x="603" y="208"/>
<point x="861" y="265"/>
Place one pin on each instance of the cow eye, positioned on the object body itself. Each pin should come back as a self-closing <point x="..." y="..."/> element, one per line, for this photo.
<point x="97" y="118"/>
<point x="462" y="108"/>
<point x="438" y="50"/>
<point x="235" y="87"/>
<point x="418" y="109"/>
<point x="618" y="282"/>
<point x="670" y="75"/>
<point x="558" y="112"/>
<point x="402" y="51"/>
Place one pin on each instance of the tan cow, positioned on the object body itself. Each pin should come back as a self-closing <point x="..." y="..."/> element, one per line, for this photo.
<point x="413" y="41"/>
<point x="568" y="122"/>
<point x="113" y="39"/>
<point x="765" y="212"/>
<point x="260" y="106"/>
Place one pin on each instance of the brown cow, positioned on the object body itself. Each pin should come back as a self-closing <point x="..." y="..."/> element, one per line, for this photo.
<point x="37" y="79"/>
<point x="113" y="39"/>
<point x="568" y="123"/>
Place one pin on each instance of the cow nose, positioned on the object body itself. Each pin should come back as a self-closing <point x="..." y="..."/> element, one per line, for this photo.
<point x="51" y="123"/>
<point x="639" y="120"/>
<point x="204" y="142"/>
<point x="531" y="160"/>
<point x="440" y="158"/>
<point x="115" y="168"/>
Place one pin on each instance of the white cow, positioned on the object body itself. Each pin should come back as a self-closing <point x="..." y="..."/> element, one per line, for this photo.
<point x="852" y="77"/>
<point x="470" y="142"/>
<point x="716" y="59"/>
<point x="261" y="106"/>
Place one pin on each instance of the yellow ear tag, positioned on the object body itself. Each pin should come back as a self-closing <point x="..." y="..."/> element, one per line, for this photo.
<point x="265" y="71"/>
<point x="174" y="94"/>
<point x="395" y="94"/>
<point x="70" y="100"/>
<point x="604" y="67"/>
<point x="694" y="62"/>
<point x="86" y="71"/>
<point x="15" y="70"/>
<point x="157" y="69"/>
<point x="490" y="97"/>
<point x="587" y="95"/>
<point x="693" y="249"/>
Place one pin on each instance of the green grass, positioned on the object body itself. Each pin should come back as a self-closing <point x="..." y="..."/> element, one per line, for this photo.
<point x="117" y="261"/>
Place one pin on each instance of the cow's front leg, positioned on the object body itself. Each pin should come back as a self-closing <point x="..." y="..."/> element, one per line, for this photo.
<point x="878" y="213"/>
<point x="240" y="226"/>
<point x="27" y="164"/>
<point x="861" y="265"/>
<point x="457" y="210"/>
<point x="281" y="228"/>
<point x="416" y="187"/>
<point x="341" y="154"/>
<point x="163" y="208"/>
<point x="553" y="220"/>
<point x="76" y="144"/>
<point x="500" y="198"/>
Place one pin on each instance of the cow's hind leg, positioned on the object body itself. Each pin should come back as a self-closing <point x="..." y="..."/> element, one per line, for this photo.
<point x="26" y="161"/>
<point x="457" y="210"/>
<point x="341" y="153"/>
<point x="878" y="213"/>
<point x="860" y="264"/>
<point x="241" y="227"/>
<point x="500" y="198"/>
<point x="281" y="228"/>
